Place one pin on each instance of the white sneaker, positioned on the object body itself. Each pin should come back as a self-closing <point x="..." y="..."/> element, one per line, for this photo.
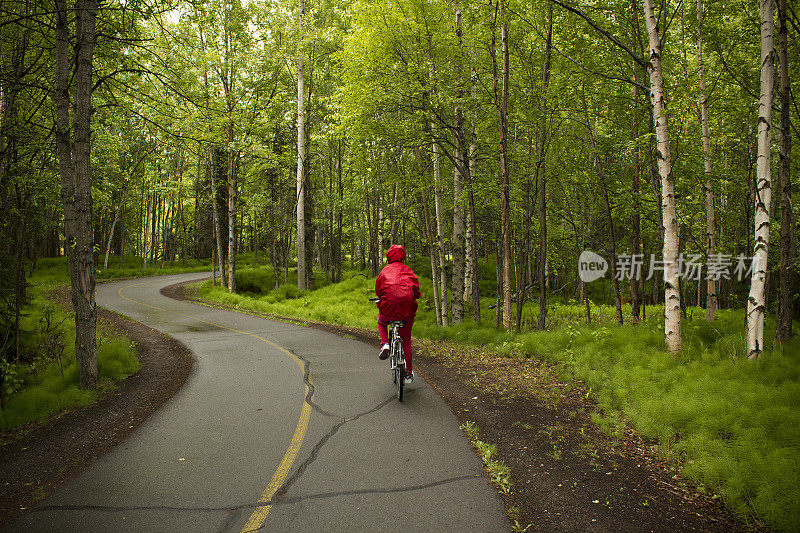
<point x="409" y="378"/>
<point x="384" y="353"/>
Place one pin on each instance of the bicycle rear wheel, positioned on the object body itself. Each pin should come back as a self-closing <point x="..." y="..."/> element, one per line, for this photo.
<point x="401" y="380"/>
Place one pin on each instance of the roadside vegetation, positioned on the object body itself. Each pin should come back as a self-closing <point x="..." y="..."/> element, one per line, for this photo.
<point x="729" y="424"/>
<point x="42" y="379"/>
<point x="131" y="267"/>
<point x="498" y="472"/>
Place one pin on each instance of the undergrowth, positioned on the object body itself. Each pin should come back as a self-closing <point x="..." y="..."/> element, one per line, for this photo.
<point x="732" y="425"/>
<point x="43" y="379"/>
<point x="499" y="473"/>
<point x="55" y="268"/>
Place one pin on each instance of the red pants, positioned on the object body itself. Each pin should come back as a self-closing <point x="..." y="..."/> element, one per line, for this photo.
<point x="405" y="336"/>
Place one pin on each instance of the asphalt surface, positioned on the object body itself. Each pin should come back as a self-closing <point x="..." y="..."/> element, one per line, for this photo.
<point x="279" y="428"/>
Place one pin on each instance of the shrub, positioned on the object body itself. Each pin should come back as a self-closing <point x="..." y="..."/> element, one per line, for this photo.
<point x="255" y="280"/>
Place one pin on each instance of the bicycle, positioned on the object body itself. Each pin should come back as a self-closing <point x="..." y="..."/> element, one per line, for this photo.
<point x="397" y="360"/>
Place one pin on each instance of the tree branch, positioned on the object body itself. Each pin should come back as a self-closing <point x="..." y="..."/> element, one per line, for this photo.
<point x="605" y="33"/>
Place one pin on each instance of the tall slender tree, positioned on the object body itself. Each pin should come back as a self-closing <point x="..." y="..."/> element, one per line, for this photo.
<point x="460" y="177"/>
<point x="301" y="150"/>
<point x="501" y="90"/>
<point x="672" y="297"/>
<point x="756" y="300"/>
<point x="541" y="147"/>
<point x="73" y="138"/>
<point x="228" y="78"/>
<point x="785" y="306"/>
<point x="711" y="285"/>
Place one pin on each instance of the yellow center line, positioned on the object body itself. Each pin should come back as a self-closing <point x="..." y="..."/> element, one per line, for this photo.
<point x="258" y="517"/>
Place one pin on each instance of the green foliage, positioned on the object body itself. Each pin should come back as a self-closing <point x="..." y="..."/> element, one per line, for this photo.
<point x="256" y="281"/>
<point x="208" y="84"/>
<point x="47" y="393"/>
<point x="116" y="359"/>
<point x="39" y="402"/>
<point x="132" y="268"/>
<point x="45" y="380"/>
<point x="287" y="291"/>
<point x="342" y="303"/>
<point x="733" y="424"/>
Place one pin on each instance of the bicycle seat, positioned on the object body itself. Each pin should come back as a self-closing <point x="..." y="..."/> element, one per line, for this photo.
<point x="398" y="323"/>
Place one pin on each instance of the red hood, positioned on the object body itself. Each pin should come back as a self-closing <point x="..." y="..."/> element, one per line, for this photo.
<point x="396" y="253"/>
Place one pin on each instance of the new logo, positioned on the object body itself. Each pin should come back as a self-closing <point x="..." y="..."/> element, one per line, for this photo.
<point x="591" y="266"/>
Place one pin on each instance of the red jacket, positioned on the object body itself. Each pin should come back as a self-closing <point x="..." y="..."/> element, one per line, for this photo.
<point x="397" y="286"/>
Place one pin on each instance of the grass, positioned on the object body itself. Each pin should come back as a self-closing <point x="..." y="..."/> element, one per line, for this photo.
<point x="46" y="392"/>
<point x="44" y="380"/>
<point x="499" y="473"/>
<point x="730" y="424"/>
<point x="55" y="268"/>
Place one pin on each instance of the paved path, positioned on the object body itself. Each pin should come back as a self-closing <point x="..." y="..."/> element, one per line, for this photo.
<point x="281" y="428"/>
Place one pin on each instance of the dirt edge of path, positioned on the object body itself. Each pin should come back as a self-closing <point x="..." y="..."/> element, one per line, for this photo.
<point x="43" y="456"/>
<point x="567" y="474"/>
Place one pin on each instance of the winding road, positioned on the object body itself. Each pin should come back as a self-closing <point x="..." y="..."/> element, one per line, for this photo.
<point x="279" y="428"/>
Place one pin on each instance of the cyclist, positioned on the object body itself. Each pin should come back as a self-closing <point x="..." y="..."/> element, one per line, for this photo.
<point x="397" y="287"/>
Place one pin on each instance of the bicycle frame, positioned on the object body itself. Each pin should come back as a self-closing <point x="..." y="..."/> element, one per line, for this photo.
<point x="397" y="360"/>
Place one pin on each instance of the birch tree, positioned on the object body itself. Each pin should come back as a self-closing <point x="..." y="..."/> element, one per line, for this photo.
<point x="460" y="176"/>
<point x="756" y="300"/>
<point x="301" y="152"/>
<point x="672" y="298"/>
<point x="228" y="77"/>
<point x="501" y="88"/>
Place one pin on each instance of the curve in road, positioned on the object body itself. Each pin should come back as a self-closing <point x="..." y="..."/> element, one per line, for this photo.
<point x="260" y="514"/>
<point x="343" y="453"/>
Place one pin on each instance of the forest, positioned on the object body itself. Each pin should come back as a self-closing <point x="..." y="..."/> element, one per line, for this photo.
<point x="518" y="135"/>
<point x="506" y="144"/>
<point x="496" y="141"/>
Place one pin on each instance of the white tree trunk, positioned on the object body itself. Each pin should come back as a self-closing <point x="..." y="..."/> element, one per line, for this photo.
<point x="672" y="297"/>
<point x="460" y="177"/>
<point x="437" y="202"/>
<point x="469" y="237"/>
<point x="425" y="165"/>
<point x="301" y="156"/>
<point x="756" y="301"/>
<point x="471" y="281"/>
<point x="227" y="85"/>
<point x="434" y="262"/>
<point x="437" y="199"/>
